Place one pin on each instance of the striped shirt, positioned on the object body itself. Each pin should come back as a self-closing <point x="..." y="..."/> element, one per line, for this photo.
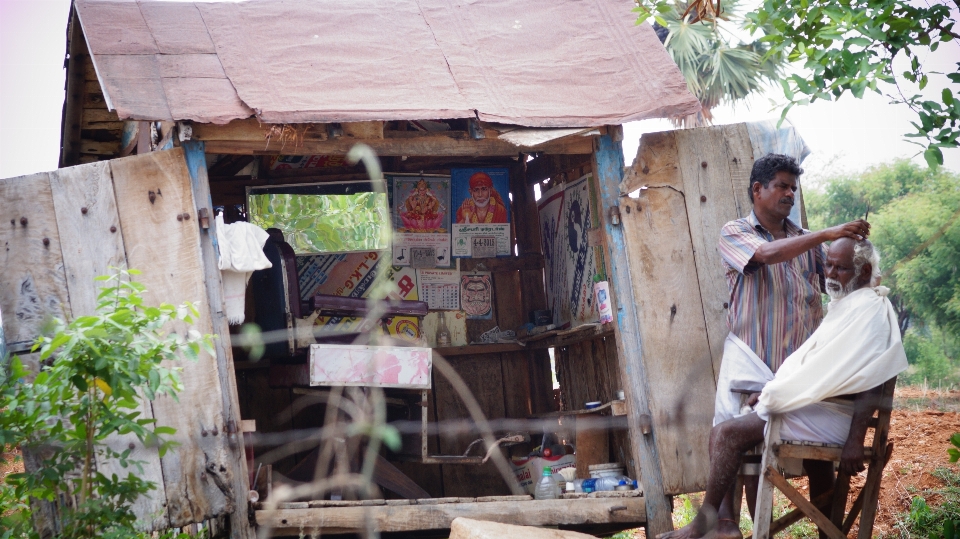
<point x="775" y="307"/>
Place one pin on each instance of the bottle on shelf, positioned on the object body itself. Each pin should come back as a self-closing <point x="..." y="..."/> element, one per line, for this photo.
<point x="547" y="487"/>
<point x="443" y="334"/>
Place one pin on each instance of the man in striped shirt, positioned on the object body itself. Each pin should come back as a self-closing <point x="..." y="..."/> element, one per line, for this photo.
<point x="774" y="269"/>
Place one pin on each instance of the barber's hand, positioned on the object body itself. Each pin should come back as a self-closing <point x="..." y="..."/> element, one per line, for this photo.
<point x="851" y="459"/>
<point x="753" y="399"/>
<point x="856" y="230"/>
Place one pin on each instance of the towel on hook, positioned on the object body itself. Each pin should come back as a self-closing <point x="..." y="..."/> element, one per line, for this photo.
<point x="241" y="253"/>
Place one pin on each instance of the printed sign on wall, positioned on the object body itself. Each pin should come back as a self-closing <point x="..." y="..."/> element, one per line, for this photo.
<point x="570" y="262"/>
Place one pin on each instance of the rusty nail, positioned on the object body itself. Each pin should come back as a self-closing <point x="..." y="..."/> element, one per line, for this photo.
<point x="222" y="469"/>
<point x="673" y="310"/>
<point x="113" y="229"/>
<point x="131" y="446"/>
<point x="152" y="196"/>
<point x="734" y="159"/>
<point x="46" y="241"/>
<point x="703" y="164"/>
<point x="645" y="170"/>
<point x="203" y="432"/>
<point x="703" y="198"/>
<point x="725" y="305"/>
<point x="203" y="476"/>
<point x="186" y="216"/>
<point x="215" y="431"/>
<point x="13" y="222"/>
<point x="179" y="217"/>
<point x="23" y="221"/>
<point x="83" y="210"/>
<point x="628" y="209"/>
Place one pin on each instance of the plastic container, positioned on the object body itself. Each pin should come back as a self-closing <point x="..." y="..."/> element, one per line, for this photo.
<point x="623" y="486"/>
<point x="597" y="484"/>
<point x="611" y="469"/>
<point x="547" y="487"/>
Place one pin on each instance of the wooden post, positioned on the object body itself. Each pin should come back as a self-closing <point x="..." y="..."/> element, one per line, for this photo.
<point x="608" y="167"/>
<point x="239" y="481"/>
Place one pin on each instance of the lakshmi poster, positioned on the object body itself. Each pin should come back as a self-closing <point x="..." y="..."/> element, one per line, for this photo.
<point x="421" y="221"/>
<point x="566" y="215"/>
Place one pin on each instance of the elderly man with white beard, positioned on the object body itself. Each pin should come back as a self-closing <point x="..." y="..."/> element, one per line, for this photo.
<point x="853" y="352"/>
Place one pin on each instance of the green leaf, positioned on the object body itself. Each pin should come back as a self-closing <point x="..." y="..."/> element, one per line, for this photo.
<point x="933" y="156"/>
<point x="79" y="382"/>
<point x="169" y="431"/>
<point x="947" y="96"/>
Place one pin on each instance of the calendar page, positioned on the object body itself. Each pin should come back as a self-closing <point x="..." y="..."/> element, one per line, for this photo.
<point x="440" y="288"/>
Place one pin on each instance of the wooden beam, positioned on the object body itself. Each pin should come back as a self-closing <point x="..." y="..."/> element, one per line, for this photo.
<point x="251" y="137"/>
<point x="803" y="504"/>
<point x="795" y="515"/>
<point x="407" y="518"/>
<point x="239" y="480"/>
<point x="73" y="105"/>
<point x="608" y="167"/>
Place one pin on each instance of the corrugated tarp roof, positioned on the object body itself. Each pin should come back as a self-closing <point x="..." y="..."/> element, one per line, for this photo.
<point x="535" y="63"/>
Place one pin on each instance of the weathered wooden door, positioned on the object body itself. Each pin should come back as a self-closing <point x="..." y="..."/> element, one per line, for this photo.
<point x="70" y="225"/>
<point x="662" y="218"/>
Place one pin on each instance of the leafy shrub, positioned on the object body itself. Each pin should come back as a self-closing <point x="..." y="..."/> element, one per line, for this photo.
<point x="95" y="372"/>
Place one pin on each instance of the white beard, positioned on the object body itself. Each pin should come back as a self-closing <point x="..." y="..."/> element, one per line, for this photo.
<point x="479" y="205"/>
<point x="841" y="291"/>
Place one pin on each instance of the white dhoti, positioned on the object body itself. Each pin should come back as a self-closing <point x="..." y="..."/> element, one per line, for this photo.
<point x="741" y="369"/>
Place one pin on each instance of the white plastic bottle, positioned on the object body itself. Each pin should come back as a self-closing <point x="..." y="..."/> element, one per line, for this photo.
<point x="547" y="487"/>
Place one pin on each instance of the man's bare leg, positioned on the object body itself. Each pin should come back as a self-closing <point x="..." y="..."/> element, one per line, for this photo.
<point x="728" y="442"/>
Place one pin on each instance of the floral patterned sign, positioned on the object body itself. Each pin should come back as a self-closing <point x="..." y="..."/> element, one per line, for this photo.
<point x="370" y="366"/>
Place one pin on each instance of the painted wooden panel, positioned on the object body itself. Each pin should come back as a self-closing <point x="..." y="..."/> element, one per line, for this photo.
<point x="167" y="250"/>
<point x="86" y="211"/>
<point x="235" y="460"/>
<point x="637" y="381"/>
<point x="34" y="285"/>
<point x="739" y="163"/>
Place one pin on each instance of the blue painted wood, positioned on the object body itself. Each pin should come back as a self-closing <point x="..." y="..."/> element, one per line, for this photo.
<point x="608" y="163"/>
<point x="195" y="156"/>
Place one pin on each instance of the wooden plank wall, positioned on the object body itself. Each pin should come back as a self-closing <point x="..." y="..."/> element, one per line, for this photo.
<point x="71" y="224"/>
<point x="100" y="129"/>
<point x="695" y="182"/>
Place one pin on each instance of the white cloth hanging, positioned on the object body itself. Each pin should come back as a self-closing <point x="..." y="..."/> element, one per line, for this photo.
<point x="241" y="253"/>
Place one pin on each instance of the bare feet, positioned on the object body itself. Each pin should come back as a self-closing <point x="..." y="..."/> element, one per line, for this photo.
<point x="728" y="529"/>
<point x="686" y="532"/>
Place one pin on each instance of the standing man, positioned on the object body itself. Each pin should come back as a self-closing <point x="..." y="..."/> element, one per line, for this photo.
<point x="775" y="273"/>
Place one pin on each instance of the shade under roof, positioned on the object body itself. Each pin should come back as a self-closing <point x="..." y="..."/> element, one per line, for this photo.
<point x="535" y="63"/>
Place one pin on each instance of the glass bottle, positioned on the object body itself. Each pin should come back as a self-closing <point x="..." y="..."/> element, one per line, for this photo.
<point x="443" y="334"/>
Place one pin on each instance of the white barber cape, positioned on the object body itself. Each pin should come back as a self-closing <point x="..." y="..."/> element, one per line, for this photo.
<point x="241" y="253"/>
<point x="856" y="348"/>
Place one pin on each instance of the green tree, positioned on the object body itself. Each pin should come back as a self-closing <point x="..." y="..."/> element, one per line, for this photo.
<point x="915" y="213"/>
<point x="716" y="65"/>
<point x="96" y="372"/>
<point x="849" y="47"/>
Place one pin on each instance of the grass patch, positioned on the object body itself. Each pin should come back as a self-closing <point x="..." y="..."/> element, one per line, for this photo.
<point x="925" y="521"/>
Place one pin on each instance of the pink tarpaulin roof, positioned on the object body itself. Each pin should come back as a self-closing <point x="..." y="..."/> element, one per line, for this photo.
<point x="537" y="63"/>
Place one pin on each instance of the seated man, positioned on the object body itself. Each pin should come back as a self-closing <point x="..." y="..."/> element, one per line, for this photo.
<point x="854" y="351"/>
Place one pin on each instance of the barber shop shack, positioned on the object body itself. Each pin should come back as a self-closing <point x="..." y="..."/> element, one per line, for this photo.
<point x="429" y="270"/>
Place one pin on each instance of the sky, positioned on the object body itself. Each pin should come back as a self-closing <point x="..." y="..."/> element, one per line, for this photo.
<point x="844" y="136"/>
